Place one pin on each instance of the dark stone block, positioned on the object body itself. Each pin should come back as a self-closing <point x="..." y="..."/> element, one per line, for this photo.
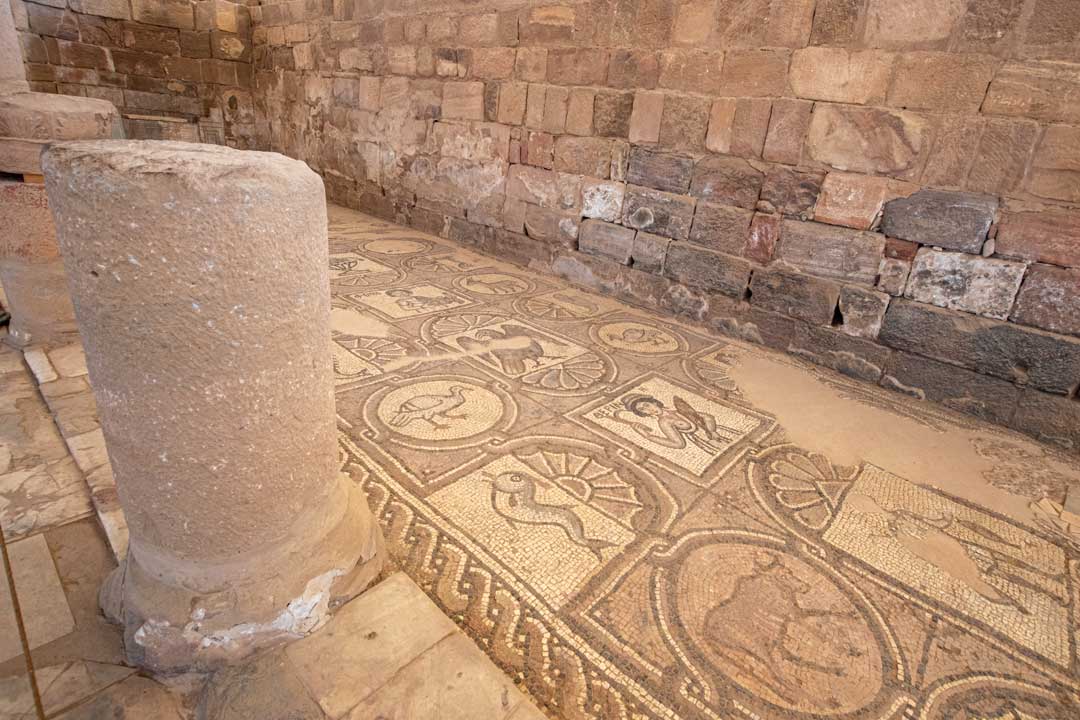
<point x="721" y="227"/>
<point x="702" y="269"/>
<point x="664" y="171"/>
<point x="953" y="220"/>
<point x="601" y="238"/>
<point x="658" y="212"/>
<point x="1050" y="418"/>
<point x="730" y="181"/>
<point x="799" y="296"/>
<point x="984" y="397"/>
<point x="792" y="192"/>
<point x="1011" y="352"/>
<point x="860" y="359"/>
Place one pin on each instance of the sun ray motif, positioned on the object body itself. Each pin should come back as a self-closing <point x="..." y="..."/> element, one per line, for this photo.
<point x="589" y="480"/>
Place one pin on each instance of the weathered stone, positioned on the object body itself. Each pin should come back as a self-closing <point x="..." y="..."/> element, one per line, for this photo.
<point x="852" y="356"/>
<point x="493" y="63"/>
<point x="692" y="71"/>
<point x="611" y="114"/>
<point x="705" y="270"/>
<point x="1049" y="418"/>
<point x="893" y="276"/>
<point x="633" y="69"/>
<point x="170" y="13"/>
<point x="577" y="66"/>
<point x="792" y="192"/>
<point x="721" y="126"/>
<point x="556" y="102"/>
<point x="512" y="99"/>
<point x="787" y="131"/>
<point x="799" y="296"/>
<point x="831" y="252"/>
<point x="988" y="26"/>
<point x="850" y="200"/>
<point x="911" y="24"/>
<point x="721" y="227"/>
<point x="602" y="238"/>
<point x="646" y="116"/>
<point x="684" y="123"/>
<point x="316" y="541"/>
<point x="557" y="227"/>
<point x="579" y="112"/>
<point x="649" y="252"/>
<point x="658" y="212"/>
<point x="551" y="24"/>
<point x="531" y="64"/>
<point x="463" y="100"/>
<point x="950" y="158"/>
<point x="583" y="156"/>
<point x="866" y="140"/>
<point x="1011" y="352"/>
<point x="727" y="180"/>
<point x="602" y="199"/>
<point x="750" y="127"/>
<point x="661" y="170"/>
<point x="1050" y="299"/>
<point x="753" y="73"/>
<point x="557" y="191"/>
<point x="984" y="286"/>
<point x="956" y="221"/>
<point x="862" y="311"/>
<point x="1037" y="90"/>
<point x="538" y="149"/>
<point x="1051" y="236"/>
<point x="840" y="75"/>
<point x="535" y="104"/>
<point x="1055" y="170"/>
<point x="941" y="81"/>
<point x="763" y="238"/>
<point x="954" y="387"/>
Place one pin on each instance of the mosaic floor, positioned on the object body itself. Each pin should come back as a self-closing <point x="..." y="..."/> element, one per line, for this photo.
<point x="637" y="519"/>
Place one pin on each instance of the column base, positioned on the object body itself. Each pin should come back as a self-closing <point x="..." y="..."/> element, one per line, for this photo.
<point x="198" y="619"/>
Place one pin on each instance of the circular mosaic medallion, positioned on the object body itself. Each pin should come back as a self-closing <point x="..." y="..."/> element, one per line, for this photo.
<point x="397" y="246"/>
<point x="638" y="338"/>
<point x="440" y="410"/>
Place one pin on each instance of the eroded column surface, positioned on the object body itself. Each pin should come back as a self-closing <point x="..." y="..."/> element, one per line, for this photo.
<point x="199" y="276"/>
<point x="31" y="270"/>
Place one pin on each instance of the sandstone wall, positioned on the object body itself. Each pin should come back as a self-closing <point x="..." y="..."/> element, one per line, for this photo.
<point x="887" y="187"/>
<point x="175" y="69"/>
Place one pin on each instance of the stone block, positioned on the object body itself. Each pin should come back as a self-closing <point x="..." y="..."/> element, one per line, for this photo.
<point x="493" y="63"/>
<point x="852" y="356"/>
<point x="730" y="181"/>
<point x="556" y="103"/>
<point x="850" y="200"/>
<point x="611" y="114"/>
<point x="658" y="212"/>
<point x="799" y="296"/>
<point x="463" y="101"/>
<point x="692" y="71"/>
<point x="791" y="192"/>
<point x="557" y="227"/>
<point x="952" y="220"/>
<point x="1012" y="352"/>
<point x="577" y="66"/>
<point x="1049" y="418"/>
<point x="1051" y="236"/>
<point x="52" y="22"/>
<point x="552" y="24"/>
<point x="1038" y="90"/>
<point x="837" y="22"/>
<point x="893" y="276"/>
<point x="913" y="23"/>
<point x="512" y="99"/>
<point x="968" y="392"/>
<point x="788" y="124"/>
<point x="1050" y="299"/>
<point x="229" y="46"/>
<point x="649" y="252"/>
<point x="169" y="13"/>
<point x="831" y="252"/>
<point x="645" y="118"/>
<point x="721" y="126"/>
<point x="721" y="227"/>
<point x="754" y="73"/>
<point x="670" y="172"/>
<point x="750" y="127"/>
<point x="839" y="75"/>
<point x="633" y="69"/>
<point x="684" y="123"/>
<point x="959" y="281"/>
<point x="583" y="156"/>
<point x="602" y="199"/>
<point x="867" y="140"/>
<point x="607" y="239"/>
<point x="531" y="64"/>
<point x="81" y="55"/>
<point x="862" y="311"/>
<point x="535" y="105"/>
<point x="988" y="27"/>
<point x="118" y="9"/>
<point x="579" y="112"/>
<point x="951" y="82"/>
<point x="763" y="238"/>
<point x="545" y="188"/>
<point x="705" y="270"/>
<point x="1055" y="170"/>
<point x="538" y="149"/>
<point x="790" y="23"/>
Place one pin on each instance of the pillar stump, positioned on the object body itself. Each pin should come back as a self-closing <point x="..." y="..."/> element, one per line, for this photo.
<point x="199" y="276"/>
<point x="31" y="270"/>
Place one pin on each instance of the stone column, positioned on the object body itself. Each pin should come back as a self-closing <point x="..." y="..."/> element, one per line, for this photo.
<point x="200" y="281"/>
<point x="31" y="270"/>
